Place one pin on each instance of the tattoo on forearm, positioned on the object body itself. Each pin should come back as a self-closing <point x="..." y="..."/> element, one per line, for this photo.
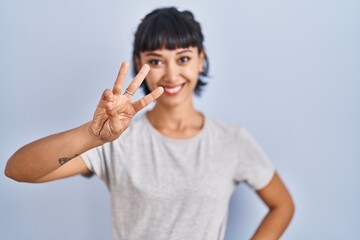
<point x="64" y="160"/>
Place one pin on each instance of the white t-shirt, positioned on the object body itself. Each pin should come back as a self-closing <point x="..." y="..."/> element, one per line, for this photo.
<point x="168" y="189"/>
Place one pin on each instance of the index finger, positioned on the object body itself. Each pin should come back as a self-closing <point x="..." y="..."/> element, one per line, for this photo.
<point x="120" y="78"/>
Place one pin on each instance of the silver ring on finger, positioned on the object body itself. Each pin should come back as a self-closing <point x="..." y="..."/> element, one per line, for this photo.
<point x="128" y="92"/>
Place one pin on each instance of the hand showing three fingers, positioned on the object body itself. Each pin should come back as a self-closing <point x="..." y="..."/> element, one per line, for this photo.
<point x="116" y="109"/>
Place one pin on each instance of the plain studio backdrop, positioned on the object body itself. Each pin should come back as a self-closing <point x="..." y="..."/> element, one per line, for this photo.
<point x="289" y="71"/>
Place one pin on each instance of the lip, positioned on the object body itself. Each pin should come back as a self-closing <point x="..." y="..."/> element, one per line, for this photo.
<point x="173" y="90"/>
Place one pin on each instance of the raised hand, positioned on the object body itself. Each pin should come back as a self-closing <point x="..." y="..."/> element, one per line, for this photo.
<point x="115" y="109"/>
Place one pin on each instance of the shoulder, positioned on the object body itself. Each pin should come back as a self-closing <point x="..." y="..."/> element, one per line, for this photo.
<point x="221" y="127"/>
<point x="231" y="131"/>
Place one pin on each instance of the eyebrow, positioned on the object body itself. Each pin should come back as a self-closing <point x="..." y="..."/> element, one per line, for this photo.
<point x="159" y="55"/>
<point x="152" y="54"/>
<point x="184" y="51"/>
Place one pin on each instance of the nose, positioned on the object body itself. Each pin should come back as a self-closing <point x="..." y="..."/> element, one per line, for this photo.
<point x="172" y="73"/>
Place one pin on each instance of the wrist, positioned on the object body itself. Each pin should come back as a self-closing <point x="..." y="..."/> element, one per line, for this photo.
<point x="88" y="135"/>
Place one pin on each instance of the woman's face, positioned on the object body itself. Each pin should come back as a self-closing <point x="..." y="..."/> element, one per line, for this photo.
<point x="177" y="71"/>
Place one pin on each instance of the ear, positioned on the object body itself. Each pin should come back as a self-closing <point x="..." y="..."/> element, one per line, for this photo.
<point x="137" y="63"/>
<point x="201" y="60"/>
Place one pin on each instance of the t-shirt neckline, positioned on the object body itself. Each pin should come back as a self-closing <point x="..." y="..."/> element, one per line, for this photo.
<point x="175" y="140"/>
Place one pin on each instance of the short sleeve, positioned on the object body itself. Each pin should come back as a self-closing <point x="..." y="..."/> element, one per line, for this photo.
<point x="96" y="160"/>
<point x="254" y="167"/>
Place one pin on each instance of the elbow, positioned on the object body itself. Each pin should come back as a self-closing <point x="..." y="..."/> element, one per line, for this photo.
<point x="17" y="169"/>
<point x="18" y="179"/>
<point x="12" y="174"/>
<point x="9" y="173"/>
<point x="292" y="209"/>
<point x="290" y="206"/>
<point x="19" y="174"/>
<point x="288" y="209"/>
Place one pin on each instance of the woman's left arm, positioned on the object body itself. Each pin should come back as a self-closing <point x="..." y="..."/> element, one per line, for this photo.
<point x="281" y="210"/>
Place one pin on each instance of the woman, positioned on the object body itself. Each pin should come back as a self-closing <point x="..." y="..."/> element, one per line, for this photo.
<point x="172" y="172"/>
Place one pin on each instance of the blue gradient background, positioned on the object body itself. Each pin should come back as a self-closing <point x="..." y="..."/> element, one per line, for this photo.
<point x="289" y="71"/>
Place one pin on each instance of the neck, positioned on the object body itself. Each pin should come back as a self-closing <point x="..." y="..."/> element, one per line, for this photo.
<point x="177" y="122"/>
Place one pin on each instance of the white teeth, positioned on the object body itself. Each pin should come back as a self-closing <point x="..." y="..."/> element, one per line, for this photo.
<point x="173" y="90"/>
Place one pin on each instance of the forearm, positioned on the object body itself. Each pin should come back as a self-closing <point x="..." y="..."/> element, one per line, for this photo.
<point x="43" y="156"/>
<point x="274" y="223"/>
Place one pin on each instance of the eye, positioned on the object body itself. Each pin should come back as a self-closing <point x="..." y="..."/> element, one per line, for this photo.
<point x="155" y="62"/>
<point x="184" y="59"/>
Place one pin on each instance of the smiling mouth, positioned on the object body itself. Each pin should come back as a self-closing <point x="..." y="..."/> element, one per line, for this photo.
<point x="173" y="90"/>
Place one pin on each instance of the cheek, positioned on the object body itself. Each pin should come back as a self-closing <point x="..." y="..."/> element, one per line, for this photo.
<point x="193" y="75"/>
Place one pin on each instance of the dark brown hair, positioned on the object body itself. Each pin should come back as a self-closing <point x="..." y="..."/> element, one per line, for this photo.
<point x="170" y="28"/>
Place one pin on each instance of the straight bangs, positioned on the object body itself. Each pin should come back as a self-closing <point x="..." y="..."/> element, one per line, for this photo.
<point x="169" y="33"/>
